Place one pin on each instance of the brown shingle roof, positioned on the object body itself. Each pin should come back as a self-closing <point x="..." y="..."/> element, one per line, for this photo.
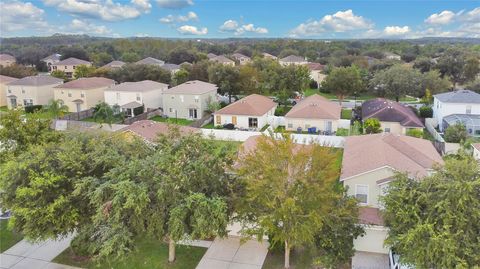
<point x="370" y="216"/>
<point x="139" y="86"/>
<point x="221" y="59"/>
<point x="149" y="130"/>
<point x="408" y="154"/>
<point x="73" y="61"/>
<point x="36" y="81"/>
<point x="254" y="104"/>
<point x="315" y="107"/>
<point x="6" y="57"/>
<point x="192" y="87"/>
<point x="6" y="79"/>
<point x="315" y="66"/>
<point x="87" y="83"/>
<point x="293" y="59"/>
<point x="114" y="64"/>
<point x="386" y="110"/>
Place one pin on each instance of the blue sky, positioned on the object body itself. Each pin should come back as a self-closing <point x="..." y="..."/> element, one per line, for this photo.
<point x="234" y="18"/>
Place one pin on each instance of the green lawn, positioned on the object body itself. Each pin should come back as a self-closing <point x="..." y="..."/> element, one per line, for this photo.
<point x="3" y="108"/>
<point x="346" y="114"/>
<point x="149" y="254"/>
<point x="209" y="126"/>
<point x="172" y="120"/>
<point x="231" y="146"/>
<point x="7" y="238"/>
<point x="298" y="260"/>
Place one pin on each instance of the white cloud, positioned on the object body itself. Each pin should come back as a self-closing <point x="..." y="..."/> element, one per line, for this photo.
<point x="141" y="35"/>
<point x="83" y="27"/>
<point x="174" y="4"/>
<point x="17" y="16"/>
<point x="191" y="16"/>
<point x="442" y="18"/>
<point x="234" y="27"/>
<point x="396" y="30"/>
<point x="102" y="9"/>
<point x="342" y="21"/>
<point x="192" y="30"/>
<point x="471" y="16"/>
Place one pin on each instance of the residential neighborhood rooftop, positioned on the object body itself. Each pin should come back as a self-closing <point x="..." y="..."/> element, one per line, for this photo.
<point x="6" y="57"/>
<point x="149" y="130"/>
<point x="211" y="55"/>
<point x="114" y="64"/>
<point x="6" y="79"/>
<point x="73" y="61"/>
<point x="171" y="67"/>
<point x="254" y="104"/>
<point x="87" y="83"/>
<point x="239" y="55"/>
<point x="221" y="59"/>
<point x="150" y="60"/>
<point x="459" y="96"/>
<point x="39" y="80"/>
<point x="408" y="154"/>
<point x="465" y="119"/>
<point x="315" y="66"/>
<point x="139" y="86"/>
<point x="315" y="107"/>
<point x="387" y="110"/>
<point x="53" y="57"/>
<point x="192" y="87"/>
<point x="293" y="59"/>
<point x="370" y="216"/>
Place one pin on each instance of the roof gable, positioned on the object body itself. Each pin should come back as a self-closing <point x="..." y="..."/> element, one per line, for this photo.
<point x="315" y="107"/>
<point x="88" y="83"/>
<point x="254" y="104"/>
<point x="459" y="96"/>
<point x="386" y="110"/>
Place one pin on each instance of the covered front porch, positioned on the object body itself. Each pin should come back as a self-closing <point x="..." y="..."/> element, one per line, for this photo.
<point x="132" y="109"/>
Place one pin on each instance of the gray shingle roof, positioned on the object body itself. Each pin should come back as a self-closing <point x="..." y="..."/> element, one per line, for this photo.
<point x="192" y="87"/>
<point x="459" y="96"/>
<point x="170" y="67"/>
<point x="36" y="81"/>
<point x="221" y="59"/>
<point x="387" y="110"/>
<point x="114" y="64"/>
<point x="151" y="60"/>
<point x="54" y="57"/>
<point x="293" y="59"/>
<point x="73" y="61"/>
<point x="139" y="86"/>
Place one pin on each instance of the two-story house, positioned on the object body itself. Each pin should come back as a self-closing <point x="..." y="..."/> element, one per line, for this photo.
<point x="131" y="95"/>
<point x="459" y="102"/>
<point x="114" y="65"/>
<point x="68" y="66"/>
<point x="222" y="60"/>
<point x="51" y="60"/>
<point x="83" y="93"/>
<point x="189" y="100"/>
<point x="33" y="90"/>
<point x="242" y="59"/>
<point x="369" y="164"/>
<point x="151" y="61"/>
<point x="4" y="80"/>
<point x="293" y="59"/>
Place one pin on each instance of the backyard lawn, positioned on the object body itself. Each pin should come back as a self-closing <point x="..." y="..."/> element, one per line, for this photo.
<point x="230" y="146"/>
<point x="299" y="259"/>
<point x="346" y="114"/>
<point x="172" y="120"/>
<point x="149" y="254"/>
<point x="7" y="238"/>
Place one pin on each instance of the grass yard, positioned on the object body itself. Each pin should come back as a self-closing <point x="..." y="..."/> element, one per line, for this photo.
<point x="231" y="146"/>
<point x="3" y="108"/>
<point x="346" y="114"/>
<point x="209" y="126"/>
<point x="149" y="254"/>
<point x="7" y="238"/>
<point x="183" y="122"/>
<point x="299" y="259"/>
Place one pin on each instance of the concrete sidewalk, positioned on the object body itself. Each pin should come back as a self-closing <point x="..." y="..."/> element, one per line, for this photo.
<point x="26" y="255"/>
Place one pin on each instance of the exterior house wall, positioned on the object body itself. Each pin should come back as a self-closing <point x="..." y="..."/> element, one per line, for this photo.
<point x="3" y="94"/>
<point x="441" y="110"/>
<point x="476" y="153"/>
<point x="317" y="76"/>
<point x="178" y="105"/>
<point x="69" y="70"/>
<point x="372" y="241"/>
<point x="242" y="120"/>
<point x="90" y="97"/>
<point x="151" y="99"/>
<point x="40" y="95"/>
<point x="291" y="124"/>
<point x="294" y="63"/>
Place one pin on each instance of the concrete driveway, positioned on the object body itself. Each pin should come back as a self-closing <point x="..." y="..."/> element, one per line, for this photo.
<point x="26" y="255"/>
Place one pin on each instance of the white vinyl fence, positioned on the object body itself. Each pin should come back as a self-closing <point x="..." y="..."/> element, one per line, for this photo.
<point x="276" y="121"/>
<point x="430" y="124"/>
<point x="344" y="124"/>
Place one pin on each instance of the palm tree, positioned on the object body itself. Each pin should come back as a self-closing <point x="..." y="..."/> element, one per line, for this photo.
<point x="104" y="113"/>
<point x="56" y="108"/>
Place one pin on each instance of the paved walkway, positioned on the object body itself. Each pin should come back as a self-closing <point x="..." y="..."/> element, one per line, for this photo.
<point x="26" y="255"/>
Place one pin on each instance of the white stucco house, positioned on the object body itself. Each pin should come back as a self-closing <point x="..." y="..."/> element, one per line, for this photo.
<point x="250" y="112"/>
<point x="368" y="166"/>
<point x="32" y="90"/>
<point x="131" y="95"/>
<point x="461" y="102"/>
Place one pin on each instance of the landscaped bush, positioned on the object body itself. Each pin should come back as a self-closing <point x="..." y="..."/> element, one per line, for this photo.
<point x="342" y="132"/>
<point x="313" y="84"/>
<point x="372" y="126"/>
<point x="282" y="110"/>
<point x="415" y="133"/>
<point x="33" y="109"/>
<point x="426" y="112"/>
<point x="455" y="133"/>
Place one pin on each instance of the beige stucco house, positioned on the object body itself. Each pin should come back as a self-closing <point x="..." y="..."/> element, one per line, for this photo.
<point x="50" y="60"/>
<point x="222" y="60"/>
<point x="83" y="93"/>
<point x="293" y="59"/>
<point x="68" y="66"/>
<point x="368" y="166"/>
<point x="7" y="60"/>
<point x="189" y="100"/>
<point x="316" y="112"/>
<point x="242" y="59"/>
<point x="394" y="117"/>
<point x="33" y="90"/>
<point x="250" y="112"/>
<point x="4" y="80"/>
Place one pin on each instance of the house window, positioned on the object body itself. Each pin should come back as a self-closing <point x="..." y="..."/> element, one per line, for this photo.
<point x="74" y="67"/>
<point x="62" y="92"/>
<point x="82" y="95"/>
<point x="118" y="96"/>
<point x="197" y="99"/>
<point x="290" y="125"/>
<point x="171" y="110"/>
<point x="9" y="91"/>
<point x="181" y="98"/>
<point x="469" y="110"/>
<point x="477" y="132"/>
<point x="387" y="130"/>
<point x="252" y="122"/>
<point x="23" y="91"/>
<point x="218" y="119"/>
<point x="65" y="67"/>
<point x="361" y="193"/>
<point x="27" y="102"/>
<point x="69" y="94"/>
<point x="138" y="97"/>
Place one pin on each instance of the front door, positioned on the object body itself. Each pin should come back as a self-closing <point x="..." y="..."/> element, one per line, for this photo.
<point x="192" y="113"/>
<point x="79" y="108"/>
<point x="13" y="102"/>
<point x="328" y="126"/>
<point x="234" y="120"/>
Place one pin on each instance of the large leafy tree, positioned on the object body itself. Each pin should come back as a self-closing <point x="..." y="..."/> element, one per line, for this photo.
<point x="471" y="69"/>
<point x="83" y="71"/>
<point x="452" y="64"/>
<point x="291" y="192"/>
<point x="397" y="81"/>
<point x="226" y="77"/>
<point x="434" y="82"/>
<point x="104" y="113"/>
<point x="179" y="192"/>
<point x="344" y="81"/>
<point x="435" y="222"/>
<point x="56" y="108"/>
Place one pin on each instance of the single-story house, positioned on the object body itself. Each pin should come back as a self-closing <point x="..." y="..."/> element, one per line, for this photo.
<point x="394" y="117"/>
<point x="33" y="90"/>
<point x="83" y="93"/>
<point x="68" y="66"/>
<point x="4" y="80"/>
<point x="7" y="60"/>
<point x="222" y="60"/>
<point x="151" y="61"/>
<point x="149" y="130"/>
<point x="242" y="59"/>
<point x="369" y="164"/>
<point x="114" y="65"/>
<point x="293" y="59"/>
<point x="250" y="112"/>
<point x="132" y="95"/>
<point x="313" y="112"/>
<point x="189" y="100"/>
<point x="455" y="102"/>
<point x="51" y="60"/>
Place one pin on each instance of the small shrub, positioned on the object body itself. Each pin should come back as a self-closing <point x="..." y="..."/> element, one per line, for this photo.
<point x="415" y="133"/>
<point x="33" y="109"/>
<point x="372" y="126"/>
<point x="456" y="133"/>
<point x="342" y="132"/>
<point x="426" y="112"/>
